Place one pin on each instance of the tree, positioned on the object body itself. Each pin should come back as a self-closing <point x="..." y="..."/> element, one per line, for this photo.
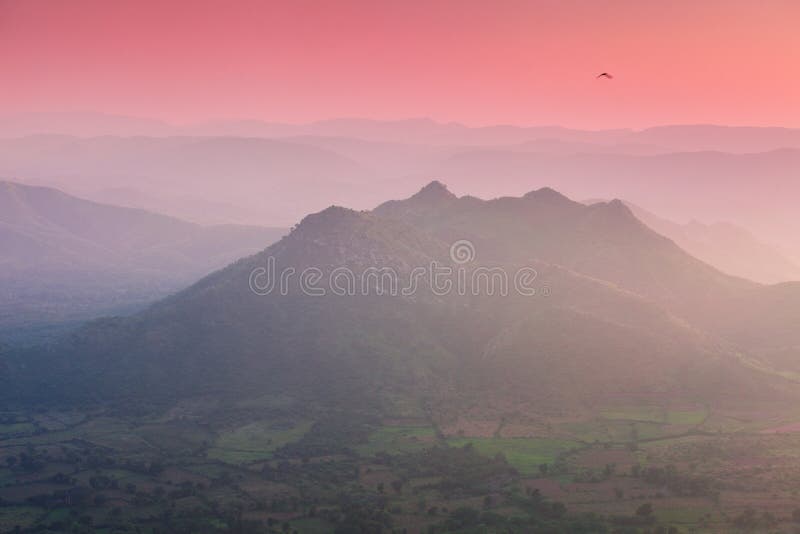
<point x="645" y="510"/>
<point x="609" y="469"/>
<point x="543" y="469"/>
<point x="397" y="486"/>
<point x="421" y="504"/>
<point x="558" y="509"/>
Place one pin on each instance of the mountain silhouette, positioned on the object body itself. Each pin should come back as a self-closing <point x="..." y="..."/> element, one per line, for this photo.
<point x="616" y="312"/>
<point x="67" y="259"/>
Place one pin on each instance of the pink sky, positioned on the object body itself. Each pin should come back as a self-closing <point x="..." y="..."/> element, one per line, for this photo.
<point x="522" y="62"/>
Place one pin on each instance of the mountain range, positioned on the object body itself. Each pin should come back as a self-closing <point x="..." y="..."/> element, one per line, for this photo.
<point x="728" y="247"/>
<point x="707" y="186"/>
<point x="66" y="259"/>
<point x="231" y="172"/>
<point x="617" y="311"/>
<point x="670" y="138"/>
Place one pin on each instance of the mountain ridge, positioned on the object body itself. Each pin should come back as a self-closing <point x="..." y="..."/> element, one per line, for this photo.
<point x="66" y="259"/>
<point x="731" y="138"/>
<point x="221" y="336"/>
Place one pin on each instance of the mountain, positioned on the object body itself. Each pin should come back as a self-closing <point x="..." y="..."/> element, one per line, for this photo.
<point x="616" y="312"/>
<point x="188" y="207"/>
<point x="711" y="137"/>
<point x="726" y="246"/>
<point x="65" y="259"/>
<point x="604" y="240"/>
<point x="212" y="179"/>
<point x="755" y="190"/>
<point x="417" y="130"/>
<point x="242" y="172"/>
<point x="672" y="138"/>
<point x="423" y="131"/>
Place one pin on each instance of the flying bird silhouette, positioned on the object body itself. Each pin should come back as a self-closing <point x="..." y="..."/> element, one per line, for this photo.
<point x="605" y="75"/>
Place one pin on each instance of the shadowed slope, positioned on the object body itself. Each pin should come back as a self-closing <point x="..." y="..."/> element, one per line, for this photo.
<point x="578" y="338"/>
<point x="65" y="259"/>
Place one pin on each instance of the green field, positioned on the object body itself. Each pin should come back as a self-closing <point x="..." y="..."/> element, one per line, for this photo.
<point x="395" y="439"/>
<point x="649" y="430"/>
<point x="624" y="423"/>
<point x="153" y="465"/>
<point x="256" y="441"/>
<point x="310" y="526"/>
<point x="686" y="417"/>
<point x="601" y="430"/>
<point x="654" y="414"/>
<point x="525" y="454"/>
<point x="682" y="515"/>
<point x="23" y="516"/>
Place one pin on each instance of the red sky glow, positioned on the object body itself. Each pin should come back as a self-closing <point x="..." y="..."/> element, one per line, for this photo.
<point x="477" y="62"/>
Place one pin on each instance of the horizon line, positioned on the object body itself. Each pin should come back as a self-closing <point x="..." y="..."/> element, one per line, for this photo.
<point x="421" y="118"/>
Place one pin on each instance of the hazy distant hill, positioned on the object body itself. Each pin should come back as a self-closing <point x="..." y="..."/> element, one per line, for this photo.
<point x="187" y="206"/>
<point x="64" y="259"/>
<point x="734" y="139"/>
<point x="619" y="312"/>
<point x="726" y="246"/>
<point x="671" y="138"/>
<point x="359" y="163"/>
<point x="757" y="191"/>
<point x="274" y="181"/>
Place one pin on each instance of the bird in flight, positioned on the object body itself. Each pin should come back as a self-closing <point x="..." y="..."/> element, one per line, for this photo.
<point x="605" y="75"/>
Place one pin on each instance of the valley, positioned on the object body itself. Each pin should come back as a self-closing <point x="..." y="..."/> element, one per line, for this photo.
<point x="208" y="466"/>
<point x="600" y="402"/>
<point x="399" y="267"/>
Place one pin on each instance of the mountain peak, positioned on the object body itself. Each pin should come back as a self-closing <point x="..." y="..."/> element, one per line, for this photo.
<point x="434" y="191"/>
<point x="331" y="220"/>
<point x="618" y="206"/>
<point x="549" y="195"/>
<point x="544" y="192"/>
<point x="615" y="214"/>
<point x="427" y="200"/>
<point x="332" y="215"/>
